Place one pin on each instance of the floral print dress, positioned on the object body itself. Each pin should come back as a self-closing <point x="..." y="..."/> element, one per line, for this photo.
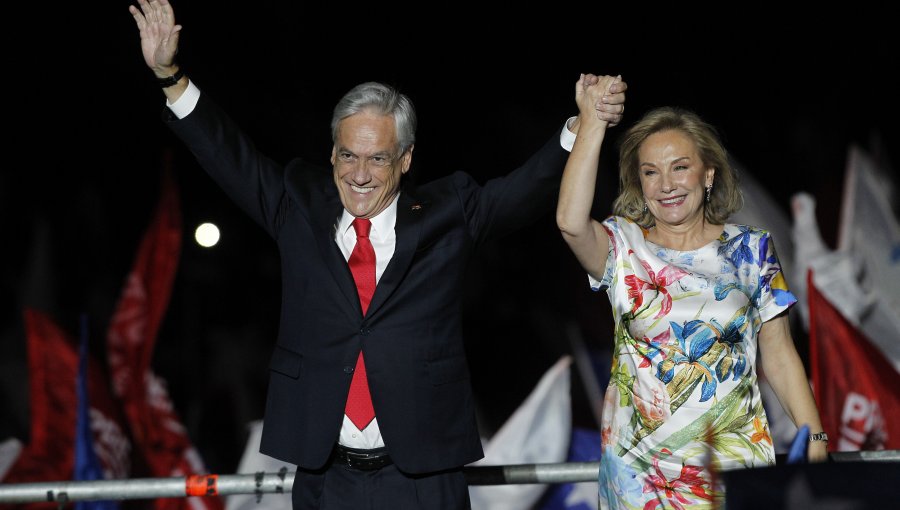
<point x="683" y="400"/>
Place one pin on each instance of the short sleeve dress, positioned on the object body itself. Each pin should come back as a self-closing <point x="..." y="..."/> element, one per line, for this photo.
<point x="683" y="400"/>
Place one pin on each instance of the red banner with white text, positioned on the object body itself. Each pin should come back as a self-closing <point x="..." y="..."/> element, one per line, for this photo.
<point x="857" y="390"/>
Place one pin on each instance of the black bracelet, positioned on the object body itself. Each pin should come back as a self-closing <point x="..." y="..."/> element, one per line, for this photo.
<point x="171" y="80"/>
<point x="818" y="436"/>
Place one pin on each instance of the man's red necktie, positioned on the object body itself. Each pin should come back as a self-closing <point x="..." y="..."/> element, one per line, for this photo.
<point x="362" y="264"/>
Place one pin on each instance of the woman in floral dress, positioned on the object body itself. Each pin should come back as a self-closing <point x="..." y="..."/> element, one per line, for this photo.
<point x="695" y="299"/>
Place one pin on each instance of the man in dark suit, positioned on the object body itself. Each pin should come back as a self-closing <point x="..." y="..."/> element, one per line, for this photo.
<point x="373" y="313"/>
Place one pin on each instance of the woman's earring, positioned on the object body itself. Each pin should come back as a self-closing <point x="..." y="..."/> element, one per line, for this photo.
<point x="647" y="208"/>
<point x="708" y="191"/>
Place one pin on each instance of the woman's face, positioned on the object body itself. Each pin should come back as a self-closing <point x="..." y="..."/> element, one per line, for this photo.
<point x="673" y="177"/>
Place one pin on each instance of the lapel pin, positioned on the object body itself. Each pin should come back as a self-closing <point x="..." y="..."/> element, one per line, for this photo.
<point x="416" y="207"/>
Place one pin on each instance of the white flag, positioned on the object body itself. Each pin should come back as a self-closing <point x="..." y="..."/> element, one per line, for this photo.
<point x="254" y="462"/>
<point x="9" y="453"/>
<point x="869" y="233"/>
<point x="836" y="273"/>
<point x="537" y="432"/>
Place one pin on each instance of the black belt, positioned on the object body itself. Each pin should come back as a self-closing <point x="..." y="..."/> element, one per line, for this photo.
<point x="365" y="460"/>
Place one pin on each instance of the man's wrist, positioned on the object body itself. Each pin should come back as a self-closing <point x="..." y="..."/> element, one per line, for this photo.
<point x="567" y="136"/>
<point x="169" y="81"/>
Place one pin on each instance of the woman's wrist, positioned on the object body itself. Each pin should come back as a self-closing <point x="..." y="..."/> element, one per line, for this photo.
<point x="818" y="436"/>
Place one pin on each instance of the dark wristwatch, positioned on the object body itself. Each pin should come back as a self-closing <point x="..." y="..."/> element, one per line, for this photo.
<point x="168" y="81"/>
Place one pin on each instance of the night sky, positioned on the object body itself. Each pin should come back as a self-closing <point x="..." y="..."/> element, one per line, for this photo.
<point x="788" y="96"/>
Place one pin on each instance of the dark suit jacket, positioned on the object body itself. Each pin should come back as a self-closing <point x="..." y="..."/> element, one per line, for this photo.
<point x="412" y="333"/>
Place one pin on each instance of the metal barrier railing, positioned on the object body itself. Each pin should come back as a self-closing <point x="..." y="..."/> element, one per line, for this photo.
<point x="263" y="483"/>
<point x="281" y="482"/>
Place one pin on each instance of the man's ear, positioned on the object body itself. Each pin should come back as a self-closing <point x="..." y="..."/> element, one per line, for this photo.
<point x="406" y="159"/>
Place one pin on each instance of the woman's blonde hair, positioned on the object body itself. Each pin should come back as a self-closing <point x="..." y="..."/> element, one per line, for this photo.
<point x="725" y="197"/>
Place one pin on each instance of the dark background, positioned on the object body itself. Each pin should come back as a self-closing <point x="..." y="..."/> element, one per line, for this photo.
<point x="789" y="96"/>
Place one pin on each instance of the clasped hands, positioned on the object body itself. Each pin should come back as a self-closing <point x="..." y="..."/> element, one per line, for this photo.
<point x="605" y="94"/>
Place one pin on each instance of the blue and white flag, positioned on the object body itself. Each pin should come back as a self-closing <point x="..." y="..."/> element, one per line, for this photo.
<point x="87" y="465"/>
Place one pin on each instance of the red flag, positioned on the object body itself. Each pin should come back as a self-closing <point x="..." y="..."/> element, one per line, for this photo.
<point x="53" y="372"/>
<point x="856" y="388"/>
<point x="52" y="369"/>
<point x="160" y="438"/>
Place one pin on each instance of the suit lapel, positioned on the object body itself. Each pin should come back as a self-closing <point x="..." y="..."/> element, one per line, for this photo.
<point x="325" y="211"/>
<point x="409" y="213"/>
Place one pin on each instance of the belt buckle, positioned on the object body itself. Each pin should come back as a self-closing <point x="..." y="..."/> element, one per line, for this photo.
<point x="355" y="463"/>
<point x="362" y="461"/>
